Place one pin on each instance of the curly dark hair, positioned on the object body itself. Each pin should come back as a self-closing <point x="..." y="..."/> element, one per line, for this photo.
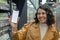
<point x="50" y="16"/>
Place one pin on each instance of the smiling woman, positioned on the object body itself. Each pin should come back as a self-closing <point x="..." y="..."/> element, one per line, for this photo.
<point x="44" y="12"/>
<point x="43" y="28"/>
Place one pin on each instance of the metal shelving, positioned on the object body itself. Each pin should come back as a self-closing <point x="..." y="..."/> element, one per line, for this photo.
<point x="4" y="24"/>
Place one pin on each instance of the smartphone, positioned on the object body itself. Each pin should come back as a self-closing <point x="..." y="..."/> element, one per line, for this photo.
<point x="15" y="16"/>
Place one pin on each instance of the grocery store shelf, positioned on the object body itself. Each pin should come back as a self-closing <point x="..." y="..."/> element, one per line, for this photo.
<point x="5" y="37"/>
<point x="4" y="7"/>
<point x="4" y="11"/>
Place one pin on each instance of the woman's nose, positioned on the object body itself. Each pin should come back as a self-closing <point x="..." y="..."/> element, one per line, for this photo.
<point x="41" y="15"/>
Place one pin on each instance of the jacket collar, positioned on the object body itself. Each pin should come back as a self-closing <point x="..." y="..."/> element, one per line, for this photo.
<point x="48" y="35"/>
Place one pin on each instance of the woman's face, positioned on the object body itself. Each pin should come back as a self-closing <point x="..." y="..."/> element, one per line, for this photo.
<point x="42" y="16"/>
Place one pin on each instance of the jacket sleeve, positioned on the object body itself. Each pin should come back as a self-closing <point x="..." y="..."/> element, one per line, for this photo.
<point x="21" y="34"/>
<point x="56" y="33"/>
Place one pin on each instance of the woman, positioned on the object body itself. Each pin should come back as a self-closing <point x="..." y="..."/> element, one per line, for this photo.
<point x="43" y="28"/>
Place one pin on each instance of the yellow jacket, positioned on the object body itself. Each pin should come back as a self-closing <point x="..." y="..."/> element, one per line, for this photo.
<point x="31" y="31"/>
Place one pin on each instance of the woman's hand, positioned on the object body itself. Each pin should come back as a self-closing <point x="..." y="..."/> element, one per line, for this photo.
<point x="13" y="25"/>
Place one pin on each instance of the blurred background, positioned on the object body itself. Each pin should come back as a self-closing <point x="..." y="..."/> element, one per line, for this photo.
<point x="27" y="10"/>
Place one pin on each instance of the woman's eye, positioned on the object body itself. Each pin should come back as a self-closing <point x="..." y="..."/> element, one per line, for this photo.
<point x="43" y="13"/>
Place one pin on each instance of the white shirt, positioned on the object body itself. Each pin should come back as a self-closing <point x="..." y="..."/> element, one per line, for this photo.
<point x="43" y="30"/>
